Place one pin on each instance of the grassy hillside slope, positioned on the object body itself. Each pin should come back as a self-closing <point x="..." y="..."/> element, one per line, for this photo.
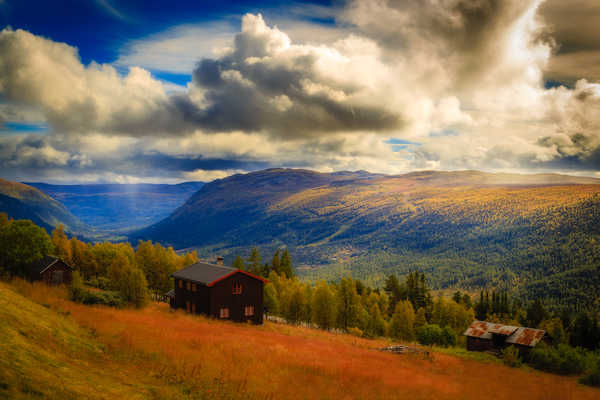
<point x="45" y="354"/>
<point x="120" y="207"/>
<point x="467" y="229"/>
<point x="21" y="201"/>
<point x="99" y="352"/>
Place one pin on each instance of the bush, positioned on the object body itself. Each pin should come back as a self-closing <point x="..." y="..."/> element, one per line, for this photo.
<point x="100" y="282"/>
<point x="564" y="359"/>
<point x="510" y="356"/>
<point x="592" y="379"/>
<point x="82" y="295"/>
<point x="431" y="334"/>
<point x="355" y="331"/>
<point x="448" y="338"/>
<point x="106" y="298"/>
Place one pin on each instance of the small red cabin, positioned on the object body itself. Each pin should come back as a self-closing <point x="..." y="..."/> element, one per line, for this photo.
<point x="218" y="291"/>
<point x="492" y="337"/>
<point x="51" y="270"/>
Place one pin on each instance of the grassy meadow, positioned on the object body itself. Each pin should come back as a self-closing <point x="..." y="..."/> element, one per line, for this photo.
<point x="53" y="348"/>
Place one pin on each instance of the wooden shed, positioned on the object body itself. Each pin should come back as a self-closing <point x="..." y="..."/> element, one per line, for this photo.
<point x="51" y="270"/>
<point x="492" y="337"/>
<point x="218" y="291"/>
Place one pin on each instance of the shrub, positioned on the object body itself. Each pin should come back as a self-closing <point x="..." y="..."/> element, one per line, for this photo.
<point x="592" y="378"/>
<point x="448" y="338"/>
<point x="82" y="295"/>
<point x="510" y="356"/>
<point x="355" y="331"/>
<point x="564" y="359"/>
<point x="106" y="298"/>
<point x="430" y="334"/>
<point x="101" y="282"/>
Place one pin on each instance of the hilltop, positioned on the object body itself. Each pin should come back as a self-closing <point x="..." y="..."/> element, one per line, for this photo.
<point x="55" y="349"/>
<point x="22" y="201"/>
<point x="465" y="229"/>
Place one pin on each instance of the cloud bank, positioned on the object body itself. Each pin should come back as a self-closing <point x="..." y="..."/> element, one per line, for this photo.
<point x="458" y="83"/>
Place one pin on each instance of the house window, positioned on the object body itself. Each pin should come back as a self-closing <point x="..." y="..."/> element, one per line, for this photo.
<point x="193" y="287"/>
<point x="180" y="284"/>
<point x="187" y="306"/>
<point x="224" y="313"/>
<point x="193" y="308"/>
<point x="249" y="311"/>
<point x="187" y="286"/>
<point x="237" y="288"/>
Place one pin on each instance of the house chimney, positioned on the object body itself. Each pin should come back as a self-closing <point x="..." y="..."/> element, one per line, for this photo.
<point x="219" y="260"/>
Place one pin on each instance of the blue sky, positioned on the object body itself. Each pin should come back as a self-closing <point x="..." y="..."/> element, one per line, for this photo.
<point x="169" y="91"/>
<point x="100" y="29"/>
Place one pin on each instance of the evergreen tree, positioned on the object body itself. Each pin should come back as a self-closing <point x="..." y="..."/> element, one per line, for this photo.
<point x="286" y="264"/>
<point x="536" y="313"/>
<point x="254" y="261"/>
<point x="276" y="262"/>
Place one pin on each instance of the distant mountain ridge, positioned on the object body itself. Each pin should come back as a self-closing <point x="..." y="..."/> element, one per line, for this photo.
<point x="117" y="208"/>
<point x="466" y="228"/>
<point x="21" y="201"/>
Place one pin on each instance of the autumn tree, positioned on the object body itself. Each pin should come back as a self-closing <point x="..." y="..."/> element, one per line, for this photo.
<point x="21" y="244"/>
<point x="62" y="246"/>
<point x="323" y="306"/>
<point x="239" y="263"/>
<point x="402" y="325"/>
<point x="348" y="302"/>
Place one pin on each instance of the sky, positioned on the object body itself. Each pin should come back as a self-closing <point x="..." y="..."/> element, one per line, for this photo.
<point x="157" y="91"/>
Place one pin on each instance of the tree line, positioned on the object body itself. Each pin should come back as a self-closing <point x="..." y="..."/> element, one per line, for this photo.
<point x="125" y="275"/>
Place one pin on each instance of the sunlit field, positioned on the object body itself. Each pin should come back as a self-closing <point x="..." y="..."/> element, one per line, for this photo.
<point x="194" y="357"/>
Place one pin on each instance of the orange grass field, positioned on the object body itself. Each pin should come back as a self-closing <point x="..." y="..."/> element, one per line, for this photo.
<point x="204" y="358"/>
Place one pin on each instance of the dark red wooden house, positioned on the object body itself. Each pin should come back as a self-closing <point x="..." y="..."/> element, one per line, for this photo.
<point x="218" y="291"/>
<point x="51" y="270"/>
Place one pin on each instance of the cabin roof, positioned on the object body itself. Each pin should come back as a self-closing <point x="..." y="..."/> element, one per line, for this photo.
<point x="514" y="334"/>
<point x="526" y="336"/>
<point x="44" y="263"/>
<point x="209" y="274"/>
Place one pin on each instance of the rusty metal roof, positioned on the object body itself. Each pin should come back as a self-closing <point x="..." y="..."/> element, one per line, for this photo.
<point x="526" y="337"/>
<point x="478" y="329"/>
<point x="515" y="335"/>
<point x="499" y="329"/>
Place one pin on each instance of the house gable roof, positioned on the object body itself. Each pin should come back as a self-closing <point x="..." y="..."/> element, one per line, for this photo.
<point x="514" y="335"/>
<point x="44" y="263"/>
<point x="209" y="274"/>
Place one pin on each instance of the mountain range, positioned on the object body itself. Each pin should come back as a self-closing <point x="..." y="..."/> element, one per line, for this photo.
<point x="537" y="234"/>
<point x="465" y="229"/>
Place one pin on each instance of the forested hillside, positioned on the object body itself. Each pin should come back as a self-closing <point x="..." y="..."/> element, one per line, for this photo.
<point x="536" y="233"/>
<point x="20" y="201"/>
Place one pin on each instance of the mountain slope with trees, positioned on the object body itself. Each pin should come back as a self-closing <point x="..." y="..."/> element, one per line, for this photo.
<point x="465" y="229"/>
<point x="20" y="201"/>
